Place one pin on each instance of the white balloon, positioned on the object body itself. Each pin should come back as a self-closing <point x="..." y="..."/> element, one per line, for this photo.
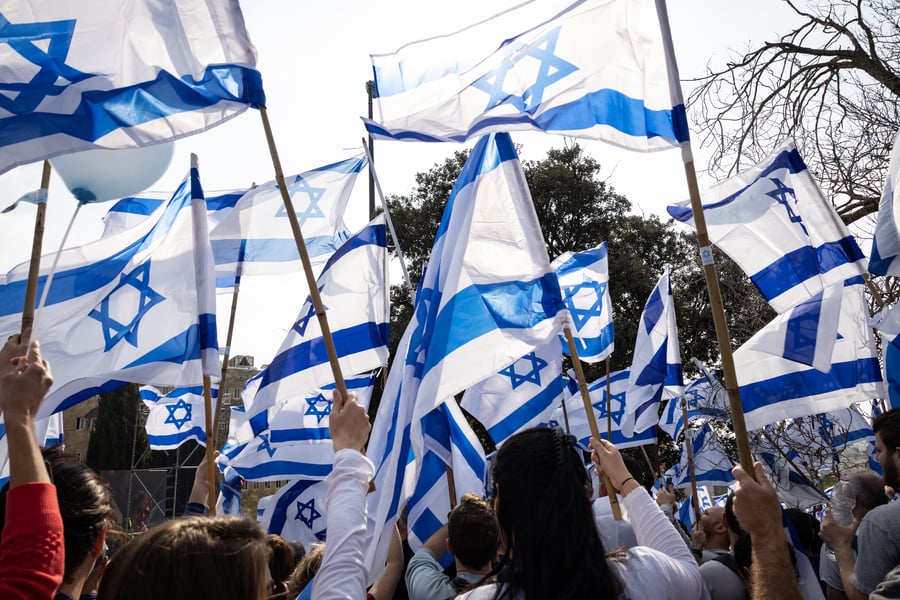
<point x="100" y="175"/>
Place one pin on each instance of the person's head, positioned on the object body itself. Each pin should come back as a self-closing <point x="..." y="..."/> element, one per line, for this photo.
<point x="306" y="569"/>
<point x="887" y="445"/>
<point x="731" y="521"/>
<point x="193" y="558"/>
<point x="139" y="511"/>
<point x="713" y="522"/>
<point x="807" y="528"/>
<point x="546" y="520"/>
<point x="281" y="563"/>
<point x="85" y="504"/>
<point x="472" y="532"/>
<point x="869" y="490"/>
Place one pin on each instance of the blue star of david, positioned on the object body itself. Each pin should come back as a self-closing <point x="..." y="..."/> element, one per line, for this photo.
<point x="264" y="445"/>
<point x="551" y="69"/>
<point x="180" y="405"/>
<point x="303" y="322"/>
<point x="532" y="376"/>
<point x="25" y="40"/>
<point x="313" y="210"/>
<point x="617" y="402"/>
<point x="581" y="315"/>
<point x="313" y="514"/>
<point x="113" y="330"/>
<point x="781" y="195"/>
<point x="313" y="408"/>
<point x="694" y="396"/>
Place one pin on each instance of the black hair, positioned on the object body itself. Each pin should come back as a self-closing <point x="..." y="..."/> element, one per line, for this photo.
<point x="730" y="519"/>
<point x="553" y="548"/>
<point x="887" y="426"/>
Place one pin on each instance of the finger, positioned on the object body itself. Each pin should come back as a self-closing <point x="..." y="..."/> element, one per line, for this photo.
<point x="337" y="401"/>
<point x="34" y="353"/>
<point x="760" y="475"/>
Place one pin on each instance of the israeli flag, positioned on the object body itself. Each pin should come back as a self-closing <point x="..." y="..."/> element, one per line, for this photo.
<point x="449" y="443"/>
<point x="672" y="419"/>
<point x="805" y="333"/>
<point x="711" y="464"/>
<point x="136" y="307"/>
<point x="128" y="212"/>
<point x="176" y="417"/>
<point x="582" y="68"/>
<point x="228" y="501"/>
<point x="488" y="297"/>
<point x="255" y="236"/>
<point x="774" y="222"/>
<point x="686" y="508"/>
<point x="886" y="241"/>
<point x="354" y="289"/>
<point x="578" y="419"/>
<point x="262" y="460"/>
<point x="92" y="75"/>
<point x="240" y="432"/>
<point x="793" y="488"/>
<point x="656" y="372"/>
<point x="584" y="283"/>
<point x="48" y="432"/>
<point x="774" y="388"/>
<point x="520" y="396"/>
<point x="887" y="322"/>
<point x="297" y="512"/>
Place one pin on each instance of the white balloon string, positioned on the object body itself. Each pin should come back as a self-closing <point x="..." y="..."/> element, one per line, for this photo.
<point x="62" y="244"/>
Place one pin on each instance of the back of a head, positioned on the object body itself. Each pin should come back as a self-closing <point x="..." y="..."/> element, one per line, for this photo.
<point x="281" y="564"/>
<point x="887" y="426"/>
<point x="85" y="504"/>
<point x="473" y="532"/>
<point x="553" y="548"/>
<point x="869" y="489"/>
<point x="306" y="569"/>
<point x="807" y="528"/>
<point x="192" y="558"/>
<point x="730" y="518"/>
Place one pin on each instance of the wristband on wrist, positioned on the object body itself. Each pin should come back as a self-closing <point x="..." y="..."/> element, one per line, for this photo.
<point x="619" y="487"/>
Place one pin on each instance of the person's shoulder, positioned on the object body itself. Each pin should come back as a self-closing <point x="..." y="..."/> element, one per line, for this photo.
<point x="886" y="515"/>
<point x="480" y="593"/>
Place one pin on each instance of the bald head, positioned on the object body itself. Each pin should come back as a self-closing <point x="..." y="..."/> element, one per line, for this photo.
<point x="869" y="489"/>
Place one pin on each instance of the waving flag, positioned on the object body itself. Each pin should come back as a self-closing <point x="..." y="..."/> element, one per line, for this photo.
<point x="584" y="68"/>
<point x="672" y="419"/>
<point x="584" y="283"/>
<point x="228" y="501"/>
<point x="520" y="396"/>
<point x="297" y="512"/>
<point x="578" y="424"/>
<point x="793" y="488"/>
<point x="88" y="75"/>
<point x="137" y="307"/>
<point x="711" y="465"/>
<point x="774" y="222"/>
<point x="256" y="233"/>
<point x="774" y="388"/>
<point x="488" y="297"/>
<point x="886" y="241"/>
<point x="449" y="442"/>
<point x="128" y="212"/>
<point x="176" y="417"/>
<point x="656" y="372"/>
<point x="686" y="508"/>
<point x="354" y="291"/>
<point x="48" y="432"/>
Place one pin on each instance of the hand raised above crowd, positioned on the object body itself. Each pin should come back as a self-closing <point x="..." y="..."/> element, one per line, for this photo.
<point x="349" y="424"/>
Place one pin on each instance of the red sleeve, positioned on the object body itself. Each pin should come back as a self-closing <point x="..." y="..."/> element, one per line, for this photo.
<point x="32" y="557"/>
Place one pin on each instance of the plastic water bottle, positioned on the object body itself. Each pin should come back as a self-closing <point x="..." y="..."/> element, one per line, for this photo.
<point x="843" y="500"/>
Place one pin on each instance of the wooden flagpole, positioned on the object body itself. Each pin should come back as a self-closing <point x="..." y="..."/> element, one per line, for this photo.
<point x="451" y="486"/>
<point x="34" y="266"/>
<point x="214" y="436"/>
<point x="689" y="445"/>
<point x="589" y="413"/>
<point x="565" y="412"/>
<point x="706" y="255"/>
<point x="608" y="403"/>
<point x="210" y="460"/>
<point x="304" y="259"/>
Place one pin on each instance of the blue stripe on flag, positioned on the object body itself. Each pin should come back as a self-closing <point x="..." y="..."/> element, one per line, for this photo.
<point x="177" y="438"/>
<point x="524" y="413"/>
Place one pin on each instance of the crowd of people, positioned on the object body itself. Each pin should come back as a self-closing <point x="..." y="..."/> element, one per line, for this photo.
<point x="538" y="535"/>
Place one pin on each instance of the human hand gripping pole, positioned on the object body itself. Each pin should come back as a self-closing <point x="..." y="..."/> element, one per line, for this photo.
<point x="609" y="463"/>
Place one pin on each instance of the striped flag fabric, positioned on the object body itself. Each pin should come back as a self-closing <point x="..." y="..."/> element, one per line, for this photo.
<point x="177" y="416"/>
<point x="886" y="241"/>
<point x="584" y="283"/>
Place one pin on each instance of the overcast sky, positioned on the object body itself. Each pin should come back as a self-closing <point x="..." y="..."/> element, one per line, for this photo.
<point x="314" y="59"/>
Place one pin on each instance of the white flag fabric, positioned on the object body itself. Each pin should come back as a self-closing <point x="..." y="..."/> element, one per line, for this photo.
<point x="584" y="283"/>
<point x="656" y="372"/>
<point x="137" y="307"/>
<point x="48" y="432"/>
<point x="354" y="291"/>
<point x="297" y="512"/>
<point x="774" y="388"/>
<point x="83" y="75"/>
<point x="577" y="418"/>
<point x="805" y="333"/>
<point x="584" y="68"/>
<point x="793" y="488"/>
<point x="228" y="502"/>
<point x="886" y="241"/>
<point x="705" y="397"/>
<point x="520" y="396"/>
<point x="776" y="224"/>
<point x="176" y="417"/>
<point x="711" y="465"/>
<point x="488" y="297"/>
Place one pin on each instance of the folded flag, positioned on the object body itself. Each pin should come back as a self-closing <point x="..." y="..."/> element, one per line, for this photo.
<point x="297" y="512"/>
<point x="584" y="283"/>
<point x="711" y="464"/>
<point x="776" y="224"/>
<point x="583" y="68"/>
<point x="89" y="75"/>
<point x="886" y="241"/>
<point x="137" y="307"/>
